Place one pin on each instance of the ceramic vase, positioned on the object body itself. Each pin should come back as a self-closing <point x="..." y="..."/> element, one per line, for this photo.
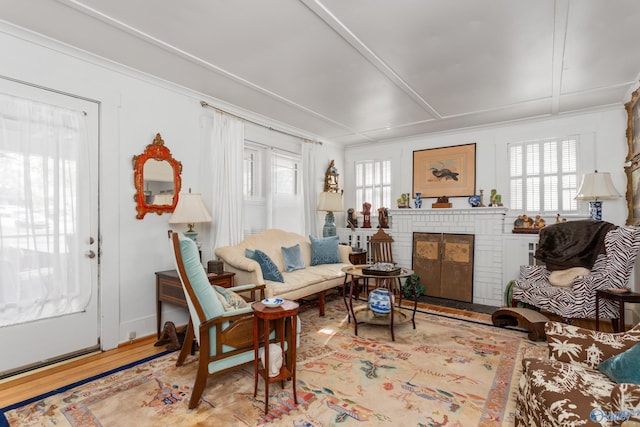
<point x="380" y="301"/>
<point x="418" y="201"/>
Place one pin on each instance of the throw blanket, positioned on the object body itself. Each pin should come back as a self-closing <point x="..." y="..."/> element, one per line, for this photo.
<point x="572" y="244"/>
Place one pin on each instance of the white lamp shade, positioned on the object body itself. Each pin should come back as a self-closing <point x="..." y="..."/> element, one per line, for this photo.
<point x="190" y="210"/>
<point x="330" y="202"/>
<point x="597" y="186"/>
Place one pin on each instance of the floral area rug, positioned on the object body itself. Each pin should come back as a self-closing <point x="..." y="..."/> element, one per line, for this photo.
<point x="446" y="372"/>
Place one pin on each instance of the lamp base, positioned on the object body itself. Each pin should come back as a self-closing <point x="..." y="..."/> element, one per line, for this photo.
<point x="595" y="210"/>
<point x="329" y="228"/>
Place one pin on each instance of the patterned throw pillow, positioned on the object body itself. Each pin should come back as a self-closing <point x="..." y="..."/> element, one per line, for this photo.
<point x="269" y="268"/>
<point x="324" y="250"/>
<point x="573" y="344"/>
<point x="292" y="258"/>
<point x="229" y="300"/>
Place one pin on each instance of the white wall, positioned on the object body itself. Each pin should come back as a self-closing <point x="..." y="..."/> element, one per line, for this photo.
<point x="603" y="146"/>
<point x="133" y="108"/>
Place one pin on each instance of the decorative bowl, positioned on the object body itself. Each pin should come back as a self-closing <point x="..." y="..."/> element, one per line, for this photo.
<point x="474" y="201"/>
<point x="380" y="302"/>
<point x="272" y="302"/>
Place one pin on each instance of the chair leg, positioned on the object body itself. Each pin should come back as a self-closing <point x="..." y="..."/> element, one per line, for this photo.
<point x="198" y="388"/>
<point x="187" y="345"/>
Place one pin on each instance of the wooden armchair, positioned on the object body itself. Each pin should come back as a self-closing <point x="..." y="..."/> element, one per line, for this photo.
<point x="225" y="338"/>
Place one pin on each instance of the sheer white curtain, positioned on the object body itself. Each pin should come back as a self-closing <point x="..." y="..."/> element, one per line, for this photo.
<point x="309" y="154"/>
<point x="223" y="169"/>
<point x="43" y="149"/>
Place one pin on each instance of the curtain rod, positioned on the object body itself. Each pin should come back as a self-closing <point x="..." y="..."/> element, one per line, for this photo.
<point x="205" y="104"/>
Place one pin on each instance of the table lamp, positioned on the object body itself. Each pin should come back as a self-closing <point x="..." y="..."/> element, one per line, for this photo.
<point x="330" y="202"/>
<point x="190" y="210"/>
<point x="595" y="187"/>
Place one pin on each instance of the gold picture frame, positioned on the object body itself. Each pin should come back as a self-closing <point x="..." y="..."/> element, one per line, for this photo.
<point x="633" y="192"/>
<point x="633" y="125"/>
<point x="447" y="171"/>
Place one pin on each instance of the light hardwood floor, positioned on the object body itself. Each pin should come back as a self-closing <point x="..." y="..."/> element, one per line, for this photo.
<point x="25" y="386"/>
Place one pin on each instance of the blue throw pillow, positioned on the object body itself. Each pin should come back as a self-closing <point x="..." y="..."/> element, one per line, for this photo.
<point x="269" y="268"/>
<point x="623" y="367"/>
<point x="324" y="250"/>
<point x="292" y="258"/>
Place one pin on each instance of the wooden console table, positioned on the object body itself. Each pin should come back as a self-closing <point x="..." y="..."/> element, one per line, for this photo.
<point x="169" y="289"/>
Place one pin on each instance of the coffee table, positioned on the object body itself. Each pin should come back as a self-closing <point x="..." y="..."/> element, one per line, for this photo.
<point x="389" y="282"/>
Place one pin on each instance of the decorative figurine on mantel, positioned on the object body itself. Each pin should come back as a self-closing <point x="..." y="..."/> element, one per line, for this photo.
<point x="383" y="218"/>
<point x="443" y="202"/>
<point x="403" y="201"/>
<point x="352" y="219"/>
<point x="495" y="198"/>
<point x="366" y="213"/>
<point x="481" y="199"/>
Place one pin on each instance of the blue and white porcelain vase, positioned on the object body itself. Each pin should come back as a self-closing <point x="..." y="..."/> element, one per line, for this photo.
<point x="418" y="201"/>
<point x="380" y="301"/>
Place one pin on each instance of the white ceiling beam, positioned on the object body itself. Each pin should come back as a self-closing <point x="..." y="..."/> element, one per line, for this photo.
<point x="559" y="40"/>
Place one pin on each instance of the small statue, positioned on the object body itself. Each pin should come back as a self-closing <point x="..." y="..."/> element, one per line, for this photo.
<point x="519" y="222"/>
<point x="366" y="213"/>
<point x="331" y="178"/>
<point x="495" y="198"/>
<point x="383" y="218"/>
<point x="539" y="222"/>
<point x="403" y="200"/>
<point x="352" y="219"/>
<point x="481" y="199"/>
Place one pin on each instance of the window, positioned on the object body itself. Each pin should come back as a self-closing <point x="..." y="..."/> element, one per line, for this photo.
<point x="250" y="186"/>
<point x="272" y="190"/>
<point x="285" y="174"/>
<point x="543" y="175"/>
<point x="373" y="183"/>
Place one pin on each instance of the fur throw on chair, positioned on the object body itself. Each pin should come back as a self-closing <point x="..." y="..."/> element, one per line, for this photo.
<point x="572" y="244"/>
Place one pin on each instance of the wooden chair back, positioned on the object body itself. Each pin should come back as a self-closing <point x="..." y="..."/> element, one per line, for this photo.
<point x="380" y="246"/>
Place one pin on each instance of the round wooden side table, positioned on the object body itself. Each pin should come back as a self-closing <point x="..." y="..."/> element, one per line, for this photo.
<point x="284" y="319"/>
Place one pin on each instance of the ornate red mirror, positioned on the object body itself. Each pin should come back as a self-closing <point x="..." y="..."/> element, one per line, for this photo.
<point x="156" y="175"/>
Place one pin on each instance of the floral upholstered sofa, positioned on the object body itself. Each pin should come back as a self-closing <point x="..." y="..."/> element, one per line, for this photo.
<point x="290" y="266"/>
<point x="589" y="378"/>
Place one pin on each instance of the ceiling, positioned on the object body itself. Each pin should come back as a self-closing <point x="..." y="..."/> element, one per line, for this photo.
<point x="362" y="71"/>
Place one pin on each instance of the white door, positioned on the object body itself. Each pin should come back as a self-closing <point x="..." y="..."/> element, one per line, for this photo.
<point x="48" y="226"/>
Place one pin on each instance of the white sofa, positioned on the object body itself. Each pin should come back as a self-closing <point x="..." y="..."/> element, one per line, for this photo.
<point x="298" y="284"/>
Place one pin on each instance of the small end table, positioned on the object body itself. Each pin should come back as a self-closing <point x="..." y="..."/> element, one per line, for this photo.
<point x="279" y="315"/>
<point x="621" y="298"/>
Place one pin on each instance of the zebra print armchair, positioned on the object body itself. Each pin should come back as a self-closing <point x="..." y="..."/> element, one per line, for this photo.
<point x="612" y="269"/>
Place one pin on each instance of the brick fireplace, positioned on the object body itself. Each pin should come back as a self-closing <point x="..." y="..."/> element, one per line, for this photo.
<point x="486" y="224"/>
